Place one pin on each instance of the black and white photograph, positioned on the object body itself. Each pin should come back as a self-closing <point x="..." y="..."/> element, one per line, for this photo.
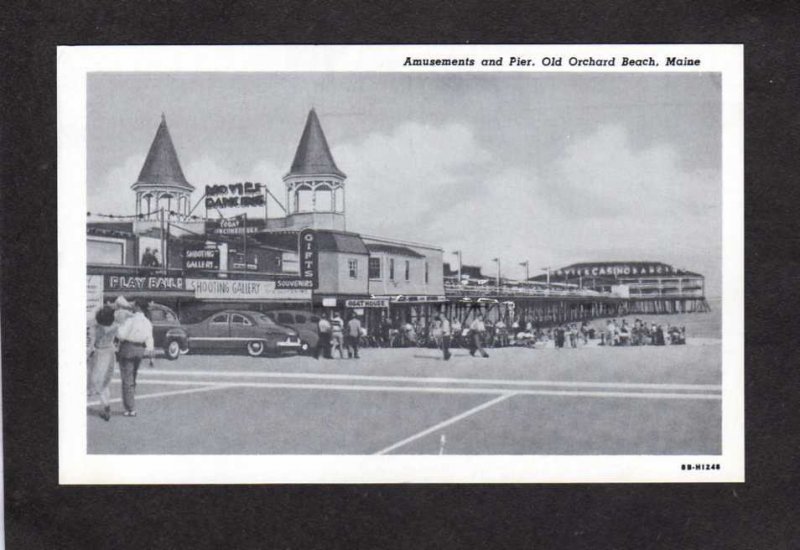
<point x="403" y="264"/>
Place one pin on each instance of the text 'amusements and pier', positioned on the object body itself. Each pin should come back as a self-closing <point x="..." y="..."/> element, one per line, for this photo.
<point x="522" y="62"/>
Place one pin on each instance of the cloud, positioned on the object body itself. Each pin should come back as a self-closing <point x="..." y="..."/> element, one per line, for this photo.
<point x="603" y="198"/>
<point x="398" y="182"/>
<point x="112" y="193"/>
<point x="604" y="174"/>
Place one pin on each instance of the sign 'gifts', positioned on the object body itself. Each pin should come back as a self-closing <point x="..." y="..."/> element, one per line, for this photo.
<point x="307" y="249"/>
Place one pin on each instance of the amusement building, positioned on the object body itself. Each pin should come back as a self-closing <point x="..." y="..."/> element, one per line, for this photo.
<point x="180" y="247"/>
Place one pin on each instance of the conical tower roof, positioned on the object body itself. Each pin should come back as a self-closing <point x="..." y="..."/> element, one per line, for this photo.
<point x="162" y="167"/>
<point x="313" y="156"/>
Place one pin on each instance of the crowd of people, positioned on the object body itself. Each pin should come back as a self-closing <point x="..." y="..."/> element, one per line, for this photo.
<point x="494" y="334"/>
<point x="336" y="335"/>
<point x="121" y="338"/>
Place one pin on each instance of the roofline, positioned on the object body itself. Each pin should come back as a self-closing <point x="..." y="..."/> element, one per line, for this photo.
<point x="389" y="240"/>
<point x="180" y="186"/>
<point x="323" y="174"/>
<point x="338" y="231"/>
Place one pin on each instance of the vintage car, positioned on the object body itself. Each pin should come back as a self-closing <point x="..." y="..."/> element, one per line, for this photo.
<point x="168" y="334"/>
<point x="304" y="322"/>
<point x="233" y="330"/>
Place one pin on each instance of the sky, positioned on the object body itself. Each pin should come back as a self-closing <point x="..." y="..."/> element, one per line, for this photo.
<point x="549" y="168"/>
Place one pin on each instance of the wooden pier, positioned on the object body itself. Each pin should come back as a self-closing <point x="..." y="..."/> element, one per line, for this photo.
<point x="549" y="310"/>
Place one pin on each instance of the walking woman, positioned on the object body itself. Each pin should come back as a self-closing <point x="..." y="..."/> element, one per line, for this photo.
<point x="102" y="358"/>
<point x="136" y="340"/>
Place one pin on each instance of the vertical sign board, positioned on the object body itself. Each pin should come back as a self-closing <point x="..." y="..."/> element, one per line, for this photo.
<point x="94" y="295"/>
<point x="307" y="248"/>
<point x="94" y="301"/>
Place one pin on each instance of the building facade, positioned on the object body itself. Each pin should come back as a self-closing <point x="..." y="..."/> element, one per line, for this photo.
<point x="350" y="269"/>
<point x="260" y="263"/>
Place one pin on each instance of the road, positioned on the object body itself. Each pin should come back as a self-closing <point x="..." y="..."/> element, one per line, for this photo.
<point x="592" y="400"/>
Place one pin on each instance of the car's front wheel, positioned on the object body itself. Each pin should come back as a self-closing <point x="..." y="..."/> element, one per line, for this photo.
<point x="255" y="348"/>
<point x="304" y="347"/>
<point x="172" y="350"/>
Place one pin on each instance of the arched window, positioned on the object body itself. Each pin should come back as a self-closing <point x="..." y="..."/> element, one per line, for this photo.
<point x="338" y="199"/>
<point x="146" y="206"/>
<point x="304" y="198"/>
<point x="165" y="201"/>
<point x="324" y="202"/>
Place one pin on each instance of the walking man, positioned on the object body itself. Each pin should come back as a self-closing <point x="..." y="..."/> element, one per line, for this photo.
<point x="136" y="340"/>
<point x="337" y="334"/>
<point x="324" y="340"/>
<point x="446" y="332"/>
<point x="477" y="329"/>
<point x="353" y="335"/>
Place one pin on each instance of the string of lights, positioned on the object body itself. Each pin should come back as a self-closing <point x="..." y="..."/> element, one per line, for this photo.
<point x="171" y="215"/>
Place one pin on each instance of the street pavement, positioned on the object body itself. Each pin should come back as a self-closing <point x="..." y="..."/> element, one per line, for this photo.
<point x="589" y="400"/>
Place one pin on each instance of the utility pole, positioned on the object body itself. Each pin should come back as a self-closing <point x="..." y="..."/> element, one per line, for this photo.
<point x="458" y="253"/>
<point x="266" y="204"/>
<point x="163" y="237"/>
<point x="548" y="278"/>
<point x="166" y="250"/>
<point x="244" y="244"/>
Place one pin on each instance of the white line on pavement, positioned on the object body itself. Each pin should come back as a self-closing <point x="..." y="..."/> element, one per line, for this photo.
<point x="426" y="380"/>
<point x="443" y="389"/>
<point x="447" y="422"/>
<point x="166" y="393"/>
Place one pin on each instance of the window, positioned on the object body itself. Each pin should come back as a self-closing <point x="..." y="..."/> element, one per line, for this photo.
<point x="290" y="262"/>
<point x="105" y="251"/>
<point x="374" y="268"/>
<point x="269" y="321"/>
<point x="220" y="319"/>
<point x="314" y="319"/>
<point x="408" y="270"/>
<point x="391" y="269"/>
<point x="352" y="267"/>
<point x="168" y="316"/>
<point x="426" y="273"/>
<point x="285" y="319"/>
<point x="240" y="320"/>
<point x="156" y="315"/>
<point x="300" y="319"/>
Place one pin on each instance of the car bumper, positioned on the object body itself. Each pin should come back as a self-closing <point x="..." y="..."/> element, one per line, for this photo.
<point x="289" y="345"/>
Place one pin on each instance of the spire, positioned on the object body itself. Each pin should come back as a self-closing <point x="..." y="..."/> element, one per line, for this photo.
<point x="313" y="155"/>
<point x="162" y="167"/>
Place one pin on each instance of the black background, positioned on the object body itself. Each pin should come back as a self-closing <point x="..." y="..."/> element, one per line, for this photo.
<point x="40" y="514"/>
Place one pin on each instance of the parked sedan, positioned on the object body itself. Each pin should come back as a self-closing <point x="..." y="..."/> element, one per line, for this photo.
<point x="168" y="334"/>
<point x="304" y="322"/>
<point x="249" y="331"/>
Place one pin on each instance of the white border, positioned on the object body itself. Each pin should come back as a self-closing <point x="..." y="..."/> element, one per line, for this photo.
<point x="76" y="467"/>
